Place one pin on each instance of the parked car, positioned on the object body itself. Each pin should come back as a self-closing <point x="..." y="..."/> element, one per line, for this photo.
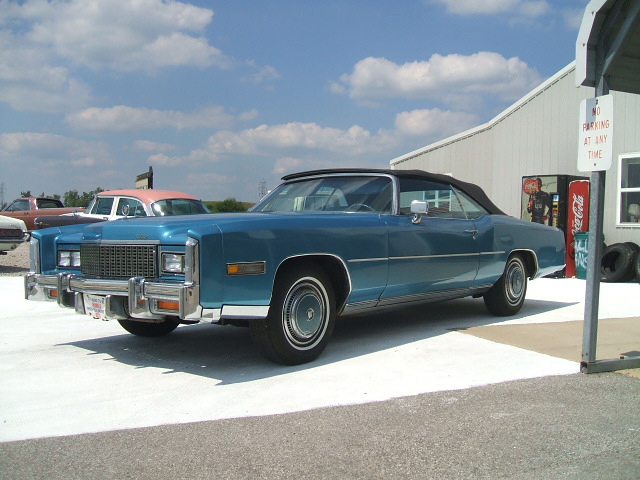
<point x="322" y="245"/>
<point x="13" y="232"/>
<point x="28" y="209"/>
<point x="114" y="204"/>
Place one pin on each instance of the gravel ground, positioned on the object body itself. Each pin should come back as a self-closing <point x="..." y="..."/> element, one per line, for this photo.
<point x="16" y="262"/>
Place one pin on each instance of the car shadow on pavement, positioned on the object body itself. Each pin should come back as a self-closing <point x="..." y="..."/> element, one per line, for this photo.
<point x="227" y="354"/>
<point x="13" y="270"/>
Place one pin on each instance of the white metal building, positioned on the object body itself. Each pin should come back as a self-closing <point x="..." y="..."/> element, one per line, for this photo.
<point x="538" y="135"/>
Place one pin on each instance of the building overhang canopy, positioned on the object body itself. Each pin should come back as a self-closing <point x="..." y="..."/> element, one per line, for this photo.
<point x="608" y="45"/>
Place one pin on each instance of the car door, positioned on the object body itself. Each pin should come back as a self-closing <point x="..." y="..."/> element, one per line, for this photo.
<point x="437" y="256"/>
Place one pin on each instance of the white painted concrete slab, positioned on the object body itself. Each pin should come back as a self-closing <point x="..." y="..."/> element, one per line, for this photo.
<point x="63" y="374"/>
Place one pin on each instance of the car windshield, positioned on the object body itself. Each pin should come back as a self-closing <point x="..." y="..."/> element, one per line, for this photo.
<point x="331" y="194"/>
<point x="178" y="206"/>
<point x="101" y="206"/>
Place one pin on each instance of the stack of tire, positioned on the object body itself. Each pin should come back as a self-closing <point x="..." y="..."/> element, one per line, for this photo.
<point x="620" y="262"/>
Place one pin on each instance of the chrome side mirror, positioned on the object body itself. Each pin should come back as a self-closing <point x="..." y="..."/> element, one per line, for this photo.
<point x="419" y="208"/>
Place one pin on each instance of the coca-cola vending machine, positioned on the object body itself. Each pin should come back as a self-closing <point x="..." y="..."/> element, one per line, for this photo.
<point x="560" y="201"/>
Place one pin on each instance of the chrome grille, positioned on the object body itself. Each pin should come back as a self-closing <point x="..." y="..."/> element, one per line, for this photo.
<point x="118" y="261"/>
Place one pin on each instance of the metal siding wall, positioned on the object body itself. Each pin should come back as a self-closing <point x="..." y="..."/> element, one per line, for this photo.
<point x="626" y="140"/>
<point x="540" y="137"/>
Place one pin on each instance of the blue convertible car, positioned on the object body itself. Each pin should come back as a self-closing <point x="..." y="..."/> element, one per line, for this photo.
<point x="322" y="245"/>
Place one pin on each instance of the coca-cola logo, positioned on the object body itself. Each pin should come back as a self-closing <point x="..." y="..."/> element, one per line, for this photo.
<point x="577" y="205"/>
<point x="530" y="186"/>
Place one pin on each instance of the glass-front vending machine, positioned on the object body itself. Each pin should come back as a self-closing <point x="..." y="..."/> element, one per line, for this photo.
<point x="560" y="201"/>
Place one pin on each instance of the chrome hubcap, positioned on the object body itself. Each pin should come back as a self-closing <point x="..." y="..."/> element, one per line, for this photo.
<point x="304" y="314"/>
<point x="515" y="282"/>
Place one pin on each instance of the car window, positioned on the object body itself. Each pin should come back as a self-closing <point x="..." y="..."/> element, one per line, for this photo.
<point x="18" y="205"/>
<point x="368" y="194"/>
<point x="102" y="206"/>
<point x="442" y="199"/>
<point x="130" y="207"/>
<point x="470" y="206"/>
<point x="47" y="203"/>
<point x="178" y="206"/>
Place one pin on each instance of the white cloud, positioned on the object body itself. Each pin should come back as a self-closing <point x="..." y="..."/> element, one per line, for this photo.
<point x="43" y="42"/>
<point x="174" y="50"/>
<point x="534" y="9"/>
<point x="294" y="136"/>
<point x="124" y="35"/>
<point x="28" y="82"/>
<point x="441" y="77"/>
<point x="531" y="8"/>
<point x="294" y="145"/>
<point x="44" y="152"/>
<point x="194" y="158"/>
<point x="85" y="162"/>
<point x="573" y="17"/>
<point x="433" y="123"/>
<point x="263" y="74"/>
<point x="286" y="165"/>
<point x="125" y="118"/>
<point x="149" y="146"/>
<point x="27" y="143"/>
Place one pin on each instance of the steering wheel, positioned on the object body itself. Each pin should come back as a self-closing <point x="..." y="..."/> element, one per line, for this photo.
<point x="356" y="207"/>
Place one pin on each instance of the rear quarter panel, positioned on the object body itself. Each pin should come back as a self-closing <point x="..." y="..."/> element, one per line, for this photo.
<point x="547" y="243"/>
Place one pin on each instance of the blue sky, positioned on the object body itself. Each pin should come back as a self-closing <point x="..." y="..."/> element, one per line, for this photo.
<point x="220" y="95"/>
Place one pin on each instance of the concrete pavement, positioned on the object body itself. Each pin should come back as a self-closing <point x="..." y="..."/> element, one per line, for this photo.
<point x="64" y="374"/>
<point x="570" y="427"/>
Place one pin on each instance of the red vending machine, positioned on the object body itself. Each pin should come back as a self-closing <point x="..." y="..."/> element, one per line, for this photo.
<point x="560" y="201"/>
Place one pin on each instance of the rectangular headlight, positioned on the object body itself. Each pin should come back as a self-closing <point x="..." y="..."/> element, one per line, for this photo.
<point x="34" y="255"/>
<point x="69" y="258"/>
<point x="173" y="262"/>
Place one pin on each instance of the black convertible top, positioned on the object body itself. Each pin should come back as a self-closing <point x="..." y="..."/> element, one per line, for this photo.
<point x="470" y="189"/>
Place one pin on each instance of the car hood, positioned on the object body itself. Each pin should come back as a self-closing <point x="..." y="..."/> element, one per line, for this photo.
<point x="174" y="229"/>
<point x="8" y="222"/>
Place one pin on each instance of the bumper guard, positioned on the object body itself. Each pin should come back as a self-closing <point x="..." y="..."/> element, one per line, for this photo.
<point x="141" y="298"/>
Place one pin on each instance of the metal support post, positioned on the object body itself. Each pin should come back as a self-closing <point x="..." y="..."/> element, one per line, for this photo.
<point x="592" y="296"/>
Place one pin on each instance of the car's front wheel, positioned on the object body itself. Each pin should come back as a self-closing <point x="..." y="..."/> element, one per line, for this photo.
<point x="146" y="329"/>
<point x="507" y="294"/>
<point x="301" y="317"/>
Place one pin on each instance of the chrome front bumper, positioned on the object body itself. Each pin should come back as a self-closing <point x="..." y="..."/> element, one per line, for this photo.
<point x="132" y="298"/>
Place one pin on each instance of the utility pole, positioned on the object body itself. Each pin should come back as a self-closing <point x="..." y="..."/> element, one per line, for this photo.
<point x="262" y="189"/>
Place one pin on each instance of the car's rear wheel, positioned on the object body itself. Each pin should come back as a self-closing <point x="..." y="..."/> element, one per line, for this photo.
<point x="146" y="329"/>
<point x="507" y="294"/>
<point x="301" y="317"/>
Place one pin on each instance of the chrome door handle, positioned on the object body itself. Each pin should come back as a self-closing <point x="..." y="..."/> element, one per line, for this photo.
<point x="472" y="232"/>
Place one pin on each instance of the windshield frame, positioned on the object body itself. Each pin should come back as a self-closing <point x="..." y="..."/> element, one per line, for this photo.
<point x="276" y="191"/>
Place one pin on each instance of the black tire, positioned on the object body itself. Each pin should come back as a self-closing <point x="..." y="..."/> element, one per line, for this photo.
<point x="147" y="329"/>
<point x="507" y="295"/>
<point x="633" y="246"/>
<point x="635" y="265"/>
<point x="301" y="317"/>
<point x="617" y="263"/>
